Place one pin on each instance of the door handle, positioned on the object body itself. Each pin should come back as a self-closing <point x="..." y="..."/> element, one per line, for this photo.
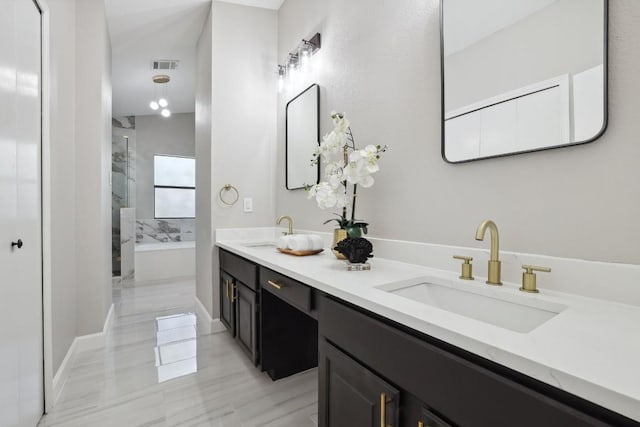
<point x="18" y="244"/>
<point x="383" y="410"/>
<point x="234" y="293"/>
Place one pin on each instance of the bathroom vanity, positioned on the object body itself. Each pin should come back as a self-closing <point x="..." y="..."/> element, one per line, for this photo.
<point x="385" y="360"/>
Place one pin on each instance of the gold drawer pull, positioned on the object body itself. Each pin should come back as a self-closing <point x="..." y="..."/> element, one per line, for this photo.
<point x="274" y="284"/>
<point x="420" y="424"/>
<point x="234" y="293"/>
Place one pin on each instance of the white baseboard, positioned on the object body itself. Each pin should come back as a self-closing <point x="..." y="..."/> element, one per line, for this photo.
<point x="63" y="371"/>
<point x="97" y="340"/>
<point x="80" y="344"/>
<point x="217" y="326"/>
<point x="209" y="324"/>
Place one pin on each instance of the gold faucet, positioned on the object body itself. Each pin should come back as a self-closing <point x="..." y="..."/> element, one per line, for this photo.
<point x="290" y="220"/>
<point x="494" y="261"/>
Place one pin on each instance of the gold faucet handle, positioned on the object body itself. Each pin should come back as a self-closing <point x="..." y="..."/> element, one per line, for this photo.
<point x="529" y="278"/>
<point x="467" y="267"/>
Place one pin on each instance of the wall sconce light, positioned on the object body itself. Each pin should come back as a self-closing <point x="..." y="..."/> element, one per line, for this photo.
<point x="299" y="59"/>
<point x="282" y="75"/>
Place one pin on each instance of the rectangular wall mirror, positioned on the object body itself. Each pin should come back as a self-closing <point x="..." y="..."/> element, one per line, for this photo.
<point x="302" y="138"/>
<point x="521" y="75"/>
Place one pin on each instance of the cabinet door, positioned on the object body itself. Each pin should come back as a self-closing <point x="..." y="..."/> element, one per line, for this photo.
<point x="351" y="395"/>
<point x="415" y="413"/>
<point x="246" y="308"/>
<point x="429" y="419"/>
<point x="227" y="312"/>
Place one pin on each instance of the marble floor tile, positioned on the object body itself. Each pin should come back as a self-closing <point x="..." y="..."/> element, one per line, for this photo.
<point x="159" y="369"/>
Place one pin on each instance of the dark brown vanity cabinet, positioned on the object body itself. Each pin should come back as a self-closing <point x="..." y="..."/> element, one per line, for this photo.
<point x="362" y="355"/>
<point x="352" y="395"/>
<point x="239" y="301"/>
<point x="376" y="372"/>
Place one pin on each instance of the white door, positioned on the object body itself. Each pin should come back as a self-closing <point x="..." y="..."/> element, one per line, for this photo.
<point x="21" y="361"/>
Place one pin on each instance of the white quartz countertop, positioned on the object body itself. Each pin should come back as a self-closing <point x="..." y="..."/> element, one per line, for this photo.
<point x="590" y="349"/>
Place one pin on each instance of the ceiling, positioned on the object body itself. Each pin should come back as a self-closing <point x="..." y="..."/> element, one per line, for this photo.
<point x="265" y="4"/>
<point x="462" y="28"/>
<point x="144" y="30"/>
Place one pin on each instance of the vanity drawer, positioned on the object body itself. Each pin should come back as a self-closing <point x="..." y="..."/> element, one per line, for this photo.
<point x="295" y="293"/>
<point x="241" y="269"/>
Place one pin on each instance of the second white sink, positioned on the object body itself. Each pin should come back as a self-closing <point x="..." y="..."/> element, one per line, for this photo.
<point x="519" y="314"/>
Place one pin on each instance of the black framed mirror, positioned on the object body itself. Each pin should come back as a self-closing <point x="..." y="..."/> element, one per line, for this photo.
<point x="521" y="75"/>
<point x="302" y="136"/>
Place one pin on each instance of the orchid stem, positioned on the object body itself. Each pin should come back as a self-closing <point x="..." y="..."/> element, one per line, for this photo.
<point x="353" y="205"/>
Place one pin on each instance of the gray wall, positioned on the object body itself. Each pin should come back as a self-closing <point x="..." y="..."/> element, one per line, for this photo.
<point x="158" y="135"/>
<point x="521" y="55"/>
<point x="382" y="67"/>
<point x="61" y="176"/>
<point x="243" y="125"/>
<point x="93" y="166"/>
<point x="204" y="233"/>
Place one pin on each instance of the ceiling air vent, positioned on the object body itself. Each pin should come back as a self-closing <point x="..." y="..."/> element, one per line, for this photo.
<point x="165" y="64"/>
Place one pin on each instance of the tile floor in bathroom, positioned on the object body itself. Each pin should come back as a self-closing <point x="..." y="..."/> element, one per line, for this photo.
<point x="158" y="369"/>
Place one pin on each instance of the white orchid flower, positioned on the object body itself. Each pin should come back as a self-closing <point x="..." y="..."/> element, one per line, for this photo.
<point x="355" y="171"/>
<point x="370" y="153"/>
<point x="333" y="174"/>
<point x="340" y="121"/>
<point x="332" y="144"/>
<point x="311" y="193"/>
<point x="326" y="196"/>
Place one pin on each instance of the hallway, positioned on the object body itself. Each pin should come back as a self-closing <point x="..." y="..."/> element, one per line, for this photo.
<point x="158" y="370"/>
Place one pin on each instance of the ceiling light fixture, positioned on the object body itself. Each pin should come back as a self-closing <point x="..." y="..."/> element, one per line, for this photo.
<point x="162" y="80"/>
<point x="299" y="59"/>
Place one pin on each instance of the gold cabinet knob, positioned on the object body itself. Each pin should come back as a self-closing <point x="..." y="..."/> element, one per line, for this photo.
<point x="529" y="278"/>
<point x="467" y="267"/>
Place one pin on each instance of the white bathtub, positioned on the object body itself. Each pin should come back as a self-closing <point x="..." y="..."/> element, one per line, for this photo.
<point x="165" y="261"/>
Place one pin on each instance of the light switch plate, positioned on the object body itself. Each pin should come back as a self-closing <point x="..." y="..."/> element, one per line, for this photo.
<point x="248" y="204"/>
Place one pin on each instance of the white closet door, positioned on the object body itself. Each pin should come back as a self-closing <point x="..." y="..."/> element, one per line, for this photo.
<point x="21" y="366"/>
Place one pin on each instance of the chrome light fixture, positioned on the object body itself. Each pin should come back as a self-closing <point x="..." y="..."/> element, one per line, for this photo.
<point x="299" y="60"/>
<point x="282" y="74"/>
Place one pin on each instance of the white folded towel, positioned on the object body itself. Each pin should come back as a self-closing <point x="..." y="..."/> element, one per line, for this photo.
<point x="305" y="242"/>
<point x="317" y="242"/>
<point x="283" y="242"/>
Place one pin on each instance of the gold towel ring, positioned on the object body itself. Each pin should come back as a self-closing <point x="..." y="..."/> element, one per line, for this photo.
<point x="229" y="187"/>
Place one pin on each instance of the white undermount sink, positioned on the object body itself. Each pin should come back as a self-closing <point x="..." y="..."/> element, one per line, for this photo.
<point x="514" y="312"/>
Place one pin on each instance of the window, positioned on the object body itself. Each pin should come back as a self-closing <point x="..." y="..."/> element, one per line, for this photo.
<point x="174" y="180"/>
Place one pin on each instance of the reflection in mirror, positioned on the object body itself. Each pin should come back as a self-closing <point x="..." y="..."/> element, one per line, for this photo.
<point x="302" y="138"/>
<point x="521" y="75"/>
